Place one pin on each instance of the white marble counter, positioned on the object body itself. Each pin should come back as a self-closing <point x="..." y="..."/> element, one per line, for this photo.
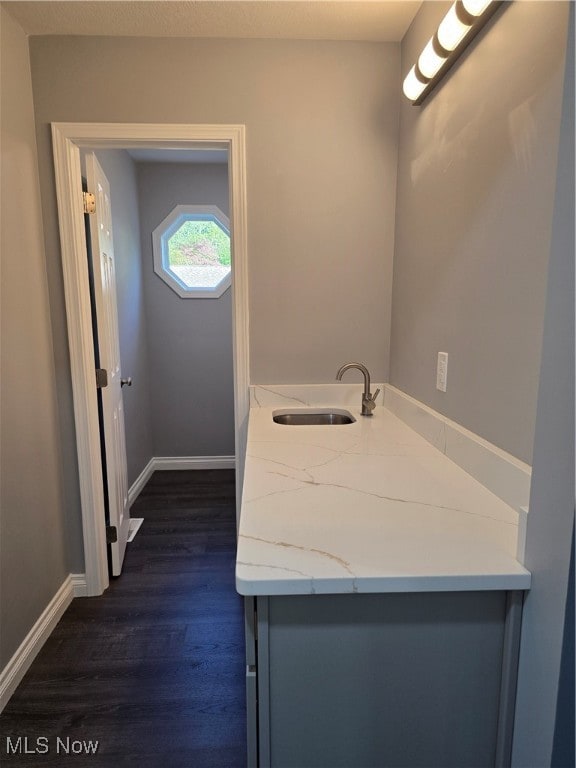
<point x="366" y="507"/>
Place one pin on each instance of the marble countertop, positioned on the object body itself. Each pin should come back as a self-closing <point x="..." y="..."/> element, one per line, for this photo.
<point x="366" y="507"/>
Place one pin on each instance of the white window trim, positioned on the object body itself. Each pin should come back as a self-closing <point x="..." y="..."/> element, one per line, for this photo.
<point x="161" y="257"/>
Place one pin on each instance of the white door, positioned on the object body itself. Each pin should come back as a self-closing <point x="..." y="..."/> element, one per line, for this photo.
<point x="109" y="350"/>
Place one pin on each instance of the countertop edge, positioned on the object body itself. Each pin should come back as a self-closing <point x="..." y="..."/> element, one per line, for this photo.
<point x="385" y="585"/>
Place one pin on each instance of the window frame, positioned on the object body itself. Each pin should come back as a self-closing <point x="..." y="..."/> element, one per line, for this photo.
<point x="160" y="251"/>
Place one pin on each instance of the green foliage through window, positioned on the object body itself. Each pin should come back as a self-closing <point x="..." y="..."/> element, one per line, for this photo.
<point x="199" y="243"/>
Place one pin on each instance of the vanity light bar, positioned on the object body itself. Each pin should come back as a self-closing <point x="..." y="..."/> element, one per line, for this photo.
<point x="458" y="27"/>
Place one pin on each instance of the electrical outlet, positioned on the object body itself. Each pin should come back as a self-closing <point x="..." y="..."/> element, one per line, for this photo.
<point x="442" y="371"/>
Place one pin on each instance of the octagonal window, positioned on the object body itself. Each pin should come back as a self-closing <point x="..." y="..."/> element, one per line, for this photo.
<point x="192" y="251"/>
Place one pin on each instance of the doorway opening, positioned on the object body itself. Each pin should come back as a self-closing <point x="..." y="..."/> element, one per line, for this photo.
<point x="68" y="141"/>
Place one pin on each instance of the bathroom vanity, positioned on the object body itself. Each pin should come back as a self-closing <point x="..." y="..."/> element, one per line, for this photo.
<point x="383" y="597"/>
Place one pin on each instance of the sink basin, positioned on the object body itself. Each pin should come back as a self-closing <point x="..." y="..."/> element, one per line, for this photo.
<point x="316" y="417"/>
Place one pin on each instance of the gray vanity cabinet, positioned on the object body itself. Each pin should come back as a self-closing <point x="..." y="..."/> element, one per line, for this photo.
<point x="386" y="680"/>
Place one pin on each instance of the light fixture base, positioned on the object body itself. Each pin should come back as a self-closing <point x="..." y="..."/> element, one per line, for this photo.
<point x="479" y="24"/>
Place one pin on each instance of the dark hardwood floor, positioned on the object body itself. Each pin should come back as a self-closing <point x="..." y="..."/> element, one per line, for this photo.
<point x="153" y="670"/>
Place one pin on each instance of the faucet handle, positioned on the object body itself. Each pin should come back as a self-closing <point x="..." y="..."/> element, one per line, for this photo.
<point x="369" y="401"/>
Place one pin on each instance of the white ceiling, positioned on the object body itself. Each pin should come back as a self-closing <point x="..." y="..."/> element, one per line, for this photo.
<point x="369" y="20"/>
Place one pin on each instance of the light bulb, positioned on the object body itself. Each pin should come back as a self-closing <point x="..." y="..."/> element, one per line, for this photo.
<point x="430" y="62"/>
<point x="412" y="86"/>
<point x="451" y="30"/>
<point x="476" y="7"/>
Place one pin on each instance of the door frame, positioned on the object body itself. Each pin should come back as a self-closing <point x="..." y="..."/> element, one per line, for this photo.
<point x="67" y="141"/>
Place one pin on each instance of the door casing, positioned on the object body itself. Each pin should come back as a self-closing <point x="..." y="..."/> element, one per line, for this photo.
<point x="67" y="141"/>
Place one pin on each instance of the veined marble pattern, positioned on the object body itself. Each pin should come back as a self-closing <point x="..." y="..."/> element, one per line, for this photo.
<point x="286" y="395"/>
<point x="505" y="475"/>
<point x="365" y="507"/>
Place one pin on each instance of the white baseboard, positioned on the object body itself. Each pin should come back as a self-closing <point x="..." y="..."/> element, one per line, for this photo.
<point x="503" y="474"/>
<point x="177" y="462"/>
<point x="194" y="462"/>
<point x="19" y="664"/>
<point x="136" y="488"/>
<point x="79" y="586"/>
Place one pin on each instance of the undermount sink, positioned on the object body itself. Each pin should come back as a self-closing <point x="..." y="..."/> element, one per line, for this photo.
<point x="316" y="417"/>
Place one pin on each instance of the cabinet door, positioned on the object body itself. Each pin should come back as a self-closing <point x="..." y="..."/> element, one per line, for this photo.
<point x="402" y="681"/>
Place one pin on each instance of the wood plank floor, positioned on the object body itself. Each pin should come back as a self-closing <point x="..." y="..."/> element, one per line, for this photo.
<point x="153" y="670"/>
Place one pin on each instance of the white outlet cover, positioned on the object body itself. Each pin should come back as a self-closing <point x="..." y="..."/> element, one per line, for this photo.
<point x="442" y="371"/>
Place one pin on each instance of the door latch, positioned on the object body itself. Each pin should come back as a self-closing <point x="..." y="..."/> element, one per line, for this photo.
<point x="111" y="534"/>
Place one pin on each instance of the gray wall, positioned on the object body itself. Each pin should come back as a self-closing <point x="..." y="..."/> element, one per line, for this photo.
<point x="121" y="173"/>
<point x="189" y="340"/>
<point x="549" y="534"/>
<point x="477" y="165"/>
<point x="34" y="531"/>
<point x="177" y="351"/>
<point x="322" y="120"/>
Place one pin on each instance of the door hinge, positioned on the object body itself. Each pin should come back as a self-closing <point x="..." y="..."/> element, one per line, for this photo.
<point x="101" y="378"/>
<point x="111" y="534"/>
<point x="89" y="202"/>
